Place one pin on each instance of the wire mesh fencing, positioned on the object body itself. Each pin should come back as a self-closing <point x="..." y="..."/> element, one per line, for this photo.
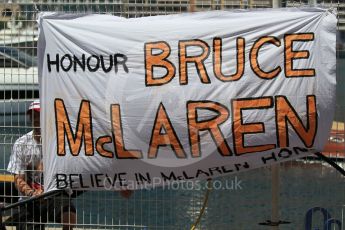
<point x="235" y="202"/>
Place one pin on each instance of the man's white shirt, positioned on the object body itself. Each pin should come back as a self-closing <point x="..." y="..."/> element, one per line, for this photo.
<point x="26" y="157"/>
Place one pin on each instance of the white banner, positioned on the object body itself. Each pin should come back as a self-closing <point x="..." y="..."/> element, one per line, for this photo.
<point x="129" y="103"/>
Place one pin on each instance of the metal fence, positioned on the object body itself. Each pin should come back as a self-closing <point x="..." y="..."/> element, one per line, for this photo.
<point x="246" y="199"/>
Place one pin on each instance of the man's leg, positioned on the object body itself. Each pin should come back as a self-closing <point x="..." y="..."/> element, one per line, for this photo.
<point x="63" y="211"/>
<point x="69" y="218"/>
<point x="27" y="217"/>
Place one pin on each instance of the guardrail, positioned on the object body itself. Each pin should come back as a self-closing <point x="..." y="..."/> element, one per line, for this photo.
<point x="46" y="195"/>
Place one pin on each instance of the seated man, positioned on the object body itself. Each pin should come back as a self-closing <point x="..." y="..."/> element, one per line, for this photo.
<point x="26" y="165"/>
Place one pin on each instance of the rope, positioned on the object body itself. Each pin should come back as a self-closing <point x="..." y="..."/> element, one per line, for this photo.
<point x="202" y="210"/>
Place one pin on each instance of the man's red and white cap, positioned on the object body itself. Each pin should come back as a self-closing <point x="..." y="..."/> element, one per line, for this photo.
<point x="35" y="105"/>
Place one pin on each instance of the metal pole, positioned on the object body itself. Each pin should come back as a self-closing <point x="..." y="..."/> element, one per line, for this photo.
<point x="275" y="195"/>
<point x="1" y="224"/>
<point x="222" y="2"/>
<point x="312" y="2"/>
<point x="250" y="3"/>
<point x="192" y="5"/>
<point x="276" y="3"/>
<point x="275" y="169"/>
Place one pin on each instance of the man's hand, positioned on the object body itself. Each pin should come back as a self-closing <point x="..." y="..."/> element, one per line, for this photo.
<point x="22" y="185"/>
<point x="25" y="188"/>
<point x="37" y="192"/>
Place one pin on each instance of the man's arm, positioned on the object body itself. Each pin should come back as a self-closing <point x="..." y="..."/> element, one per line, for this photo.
<point x="23" y="187"/>
<point x="17" y="166"/>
